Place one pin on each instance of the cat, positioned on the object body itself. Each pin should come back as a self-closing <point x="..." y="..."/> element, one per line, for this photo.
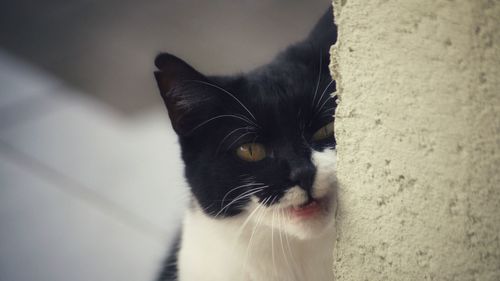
<point x="259" y="155"/>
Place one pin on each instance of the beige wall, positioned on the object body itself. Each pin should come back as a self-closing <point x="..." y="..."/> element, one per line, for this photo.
<point x="418" y="132"/>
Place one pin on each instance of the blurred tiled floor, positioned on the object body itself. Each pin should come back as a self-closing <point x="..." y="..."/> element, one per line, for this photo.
<point x="85" y="194"/>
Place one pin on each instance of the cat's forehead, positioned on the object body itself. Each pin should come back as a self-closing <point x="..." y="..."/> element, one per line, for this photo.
<point x="282" y="97"/>
<point x="281" y="94"/>
<point x="271" y="104"/>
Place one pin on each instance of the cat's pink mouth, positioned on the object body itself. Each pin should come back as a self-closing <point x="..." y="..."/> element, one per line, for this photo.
<point x="308" y="210"/>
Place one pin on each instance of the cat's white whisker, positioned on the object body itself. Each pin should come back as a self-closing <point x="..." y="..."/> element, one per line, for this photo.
<point x="322" y="95"/>
<point x="285" y="257"/>
<point x="248" y="120"/>
<point x="228" y="135"/>
<point x="288" y="258"/>
<point x="324" y="103"/>
<point x="237" y="139"/>
<point x="295" y="266"/>
<point x="319" y="77"/>
<point x="245" y="223"/>
<point x="236" y="188"/>
<point x="225" y="91"/>
<point x="257" y="224"/>
<point x="244" y="195"/>
<point x="215" y="118"/>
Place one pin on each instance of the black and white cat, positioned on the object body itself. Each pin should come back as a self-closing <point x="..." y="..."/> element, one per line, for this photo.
<point x="259" y="156"/>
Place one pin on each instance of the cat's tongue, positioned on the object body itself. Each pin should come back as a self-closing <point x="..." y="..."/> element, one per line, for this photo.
<point x="306" y="211"/>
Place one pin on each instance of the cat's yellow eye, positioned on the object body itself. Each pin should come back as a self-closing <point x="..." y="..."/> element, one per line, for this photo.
<point x="324" y="133"/>
<point x="251" y="152"/>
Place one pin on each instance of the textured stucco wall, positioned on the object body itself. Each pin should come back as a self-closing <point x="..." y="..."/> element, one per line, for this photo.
<point x="418" y="131"/>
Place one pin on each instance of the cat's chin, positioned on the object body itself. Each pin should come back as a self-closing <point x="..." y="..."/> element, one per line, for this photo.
<point x="307" y="221"/>
<point x="311" y="220"/>
<point x="311" y="228"/>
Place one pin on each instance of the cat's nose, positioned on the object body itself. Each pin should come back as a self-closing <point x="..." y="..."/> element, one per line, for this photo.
<point x="303" y="175"/>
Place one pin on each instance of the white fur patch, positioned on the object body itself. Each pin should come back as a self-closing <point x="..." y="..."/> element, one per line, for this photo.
<point x="293" y="197"/>
<point x="326" y="165"/>
<point x="264" y="243"/>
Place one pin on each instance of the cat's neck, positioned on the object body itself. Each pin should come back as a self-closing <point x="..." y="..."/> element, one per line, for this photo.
<point x="250" y="251"/>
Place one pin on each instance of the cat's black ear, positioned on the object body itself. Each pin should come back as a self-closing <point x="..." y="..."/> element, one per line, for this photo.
<point x="179" y="86"/>
<point x="324" y="33"/>
<point x="172" y="71"/>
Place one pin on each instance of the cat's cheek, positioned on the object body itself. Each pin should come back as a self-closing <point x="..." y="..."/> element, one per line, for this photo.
<point x="325" y="181"/>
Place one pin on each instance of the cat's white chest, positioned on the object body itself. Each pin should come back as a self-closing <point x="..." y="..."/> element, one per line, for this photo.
<point x="221" y="250"/>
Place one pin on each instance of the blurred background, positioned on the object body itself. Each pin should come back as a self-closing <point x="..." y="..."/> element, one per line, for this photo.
<point x="91" y="184"/>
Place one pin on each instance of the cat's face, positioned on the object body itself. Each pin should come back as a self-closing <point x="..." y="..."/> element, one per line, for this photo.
<point x="259" y="146"/>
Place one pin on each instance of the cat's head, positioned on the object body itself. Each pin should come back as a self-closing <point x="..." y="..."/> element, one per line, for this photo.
<point x="258" y="145"/>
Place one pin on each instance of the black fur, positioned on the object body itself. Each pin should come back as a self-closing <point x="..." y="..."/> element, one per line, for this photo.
<point x="169" y="269"/>
<point x="280" y="105"/>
